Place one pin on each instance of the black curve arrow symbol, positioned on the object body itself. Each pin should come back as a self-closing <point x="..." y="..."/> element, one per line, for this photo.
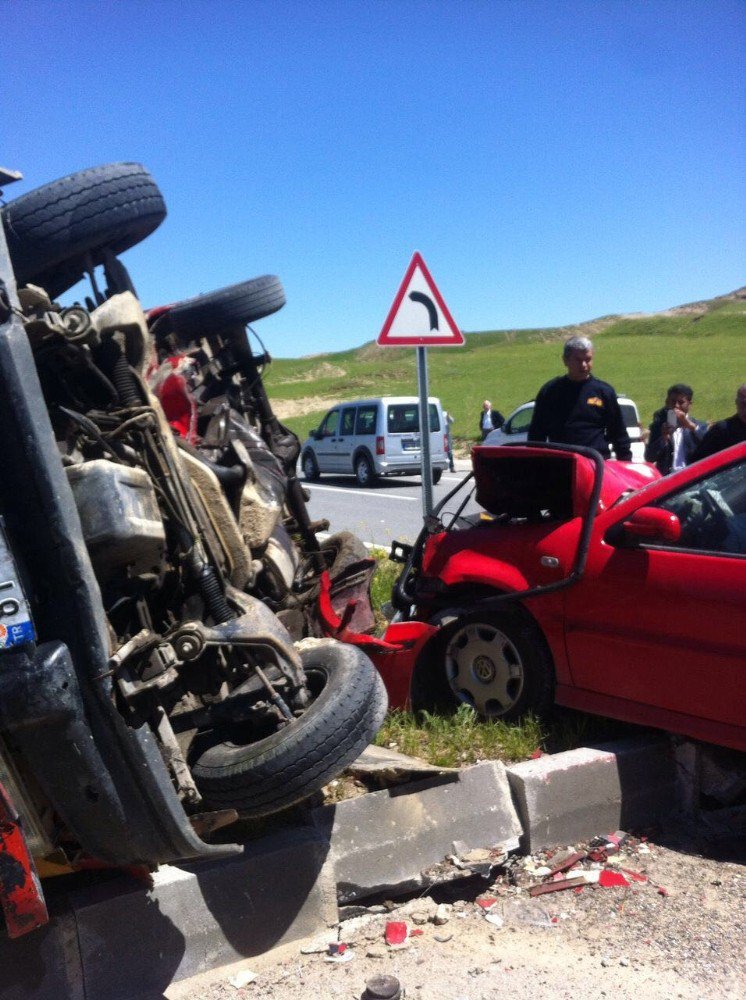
<point x="428" y="303"/>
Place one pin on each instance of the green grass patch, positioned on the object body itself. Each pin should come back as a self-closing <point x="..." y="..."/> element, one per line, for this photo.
<point x="459" y="739"/>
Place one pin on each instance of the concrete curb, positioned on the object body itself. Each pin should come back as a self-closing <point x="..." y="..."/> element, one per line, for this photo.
<point x="119" y="939"/>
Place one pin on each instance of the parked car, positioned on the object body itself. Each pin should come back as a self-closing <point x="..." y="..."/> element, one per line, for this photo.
<point x="515" y="428"/>
<point x="597" y="585"/>
<point x="375" y="437"/>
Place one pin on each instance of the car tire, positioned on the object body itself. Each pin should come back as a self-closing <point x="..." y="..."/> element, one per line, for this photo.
<point x="437" y="473"/>
<point x="365" y="474"/>
<point x="275" y="772"/>
<point x="496" y="661"/>
<point x="55" y="231"/>
<point x="310" y="467"/>
<point x="234" y="305"/>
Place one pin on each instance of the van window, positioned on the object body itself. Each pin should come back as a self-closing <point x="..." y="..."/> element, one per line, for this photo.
<point x="366" y="420"/>
<point x="629" y="415"/>
<point x="404" y="418"/>
<point x="348" y="420"/>
<point x="329" y="426"/>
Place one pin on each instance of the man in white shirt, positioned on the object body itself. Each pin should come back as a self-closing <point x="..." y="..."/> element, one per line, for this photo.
<point x="674" y="434"/>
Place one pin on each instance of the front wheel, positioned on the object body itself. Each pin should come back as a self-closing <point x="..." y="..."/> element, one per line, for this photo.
<point x="437" y="473"/>
<point x="266" y="775"/>
<point x="310" y="467"/>
<point x="498" y="662"/>
<point x="364" y="471"/>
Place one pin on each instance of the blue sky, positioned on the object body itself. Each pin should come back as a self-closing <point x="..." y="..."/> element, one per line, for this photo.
<point x="552" y="161"/>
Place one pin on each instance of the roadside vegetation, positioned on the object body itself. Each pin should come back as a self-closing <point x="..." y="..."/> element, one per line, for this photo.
<point x="641" y="356"/>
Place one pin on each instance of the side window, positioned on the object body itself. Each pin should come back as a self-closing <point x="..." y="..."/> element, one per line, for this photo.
<point x="329" y="426"/>
<point x="348" y="420"/>
<point x="520" y="423"/>
<point x="366" y="420"/>
<point x="712" y="512"/>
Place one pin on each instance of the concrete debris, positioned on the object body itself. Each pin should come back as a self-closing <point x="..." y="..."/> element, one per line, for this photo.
<point x="242" y="979"/>
<point x="442" y="914"/>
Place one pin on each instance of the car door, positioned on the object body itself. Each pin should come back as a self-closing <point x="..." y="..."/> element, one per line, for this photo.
<point x="662" y="624"/>
<point x="345" y="440"/>
<point x="325" y="444"/>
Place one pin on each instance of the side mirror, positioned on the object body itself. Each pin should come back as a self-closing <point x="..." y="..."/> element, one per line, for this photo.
<point x="653" y="524"/>
<point x="313" y="432"/>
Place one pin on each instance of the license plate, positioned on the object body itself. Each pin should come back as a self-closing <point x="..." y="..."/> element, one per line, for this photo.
<point x="410" y="444"/>
<point x="16" y="627"/>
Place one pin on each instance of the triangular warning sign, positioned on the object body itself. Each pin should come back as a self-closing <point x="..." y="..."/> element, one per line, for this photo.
<point x="419" y="317"/>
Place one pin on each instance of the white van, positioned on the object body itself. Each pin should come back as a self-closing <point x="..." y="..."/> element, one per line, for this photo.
<point x="374" y="437"/>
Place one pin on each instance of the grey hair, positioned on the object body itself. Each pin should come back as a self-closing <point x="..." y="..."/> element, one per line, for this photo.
<point x="576" y="344"/>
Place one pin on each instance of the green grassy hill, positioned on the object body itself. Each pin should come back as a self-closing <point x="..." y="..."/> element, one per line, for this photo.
<point x="703" y="343"/>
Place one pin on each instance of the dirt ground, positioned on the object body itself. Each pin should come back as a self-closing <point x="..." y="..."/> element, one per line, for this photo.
<point x="677" y="932"/>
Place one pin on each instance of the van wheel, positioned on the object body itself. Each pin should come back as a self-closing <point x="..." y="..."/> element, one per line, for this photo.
<point x="364" y="471"/>
<point x="310" y="467"/>
<point x="437" y="473"/>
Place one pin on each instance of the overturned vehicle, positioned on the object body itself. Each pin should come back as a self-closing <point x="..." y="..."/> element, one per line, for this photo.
<point x="166" y="602"/>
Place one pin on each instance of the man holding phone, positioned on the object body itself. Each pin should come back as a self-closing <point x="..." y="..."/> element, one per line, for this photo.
<point x="674" y="434"/>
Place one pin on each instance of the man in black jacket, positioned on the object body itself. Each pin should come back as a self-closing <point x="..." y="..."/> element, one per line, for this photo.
<point x="579" y="409"/>
<point x="489" y="419"/>
<point x="674" y="433"/>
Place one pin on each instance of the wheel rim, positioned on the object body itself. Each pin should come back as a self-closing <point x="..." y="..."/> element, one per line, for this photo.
<point x="363" y="472"/>
<point x="484" y="669"/>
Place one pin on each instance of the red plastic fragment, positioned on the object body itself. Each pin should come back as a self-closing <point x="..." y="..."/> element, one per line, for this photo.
<point x="535" y="754"/>
<point x="21" y="896"/>
<point x="662" y="891"/>
<point x="486" y="902"/>
<point x="635" y="876"/>
<point x="396" y="932"/>
<point x="609" y="879"/>
<point x="416" y="932"/>
<point x="568" y="862"/>
<point x="565" y="883"/>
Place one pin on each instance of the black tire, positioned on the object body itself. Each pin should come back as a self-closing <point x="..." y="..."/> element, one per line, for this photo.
<point x="437" y="473"/>
<point x="310" y="466"/>
<point x="365" y="473"/>
<point x="276" y="772"/>
<point x="498" y="662"/>
<point x="51" y="230"/>
<point x="232" y="306"/>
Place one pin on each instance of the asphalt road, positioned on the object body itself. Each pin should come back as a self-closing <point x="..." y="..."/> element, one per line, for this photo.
<point x="390" y="510"/>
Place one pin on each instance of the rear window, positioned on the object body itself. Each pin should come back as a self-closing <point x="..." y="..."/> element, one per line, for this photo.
<point x="404" y="418"/>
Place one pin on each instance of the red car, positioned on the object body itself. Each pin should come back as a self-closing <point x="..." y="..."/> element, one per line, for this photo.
<point x="597" y="585"/>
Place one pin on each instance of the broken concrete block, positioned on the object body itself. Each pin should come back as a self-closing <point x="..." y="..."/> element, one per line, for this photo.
<point x="386" y="840"/>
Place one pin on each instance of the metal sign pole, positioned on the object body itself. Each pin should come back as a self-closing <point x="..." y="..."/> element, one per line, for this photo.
<point x="427" y="469"/>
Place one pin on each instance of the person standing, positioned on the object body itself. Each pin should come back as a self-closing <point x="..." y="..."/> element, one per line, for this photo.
<point x="674" y="433"/>
<point x="725" y="433"/>
<point x="578" y="408"/>
<point x="489" y="419"/>
<point x="448" y="420"/>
